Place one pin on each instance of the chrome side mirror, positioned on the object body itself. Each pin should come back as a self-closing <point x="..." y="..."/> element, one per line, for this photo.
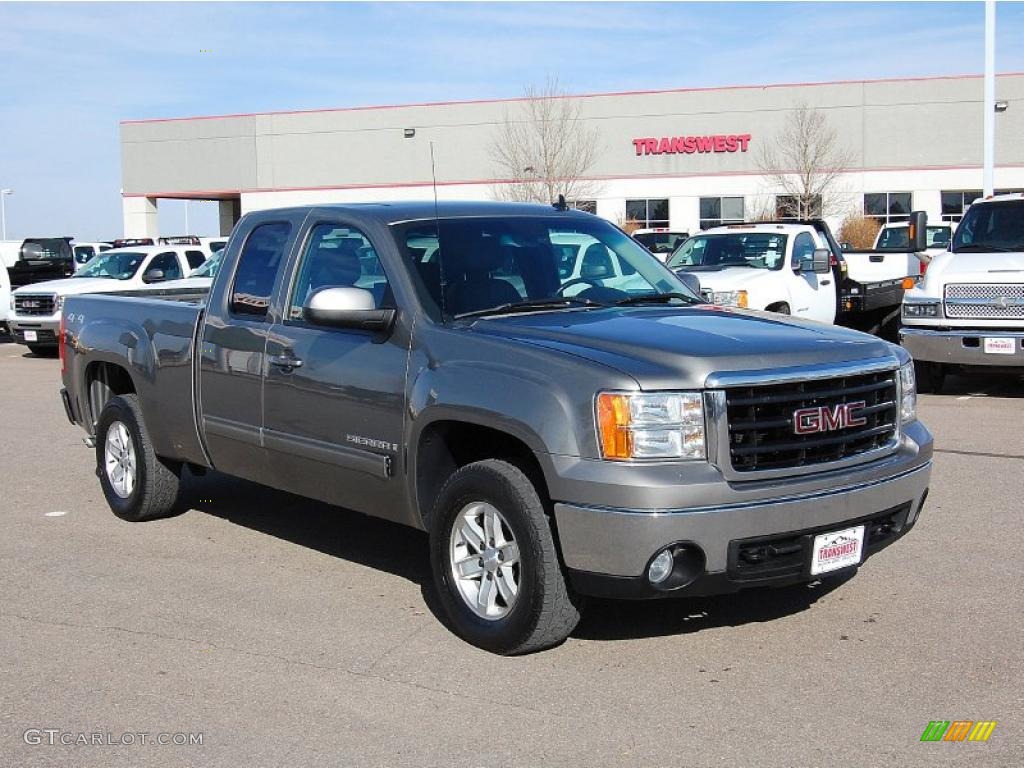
<point x="347" y="307"/>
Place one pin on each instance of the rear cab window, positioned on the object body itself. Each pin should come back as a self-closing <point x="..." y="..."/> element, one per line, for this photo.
<point x="258" y="264"/>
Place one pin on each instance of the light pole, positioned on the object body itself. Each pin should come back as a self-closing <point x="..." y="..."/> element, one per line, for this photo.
<point x="989" y="99"/>
<point x="3" y="212"/>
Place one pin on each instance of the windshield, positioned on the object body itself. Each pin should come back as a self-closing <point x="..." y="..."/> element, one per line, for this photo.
<point x="45" y="249"/>
<point x="991" y="227"/>
<point x="542" y="262"/>
<point x="209" y="267"/>
<point x="660" y="242"/>
<point x="899" y="237"/>
<point x="83" y="253"/>
<point x="120" y="265"/>
<point x="713" y="252"/>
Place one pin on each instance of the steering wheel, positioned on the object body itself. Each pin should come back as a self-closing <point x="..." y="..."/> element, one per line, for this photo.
<point x="592" y="282"/>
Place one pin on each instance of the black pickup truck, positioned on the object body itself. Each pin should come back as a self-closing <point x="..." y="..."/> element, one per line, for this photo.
<point x="557" y="435"/>
<point x="41" y="259"/>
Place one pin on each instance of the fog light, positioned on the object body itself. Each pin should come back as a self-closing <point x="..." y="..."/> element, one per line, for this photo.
<point x="660" y="567"/>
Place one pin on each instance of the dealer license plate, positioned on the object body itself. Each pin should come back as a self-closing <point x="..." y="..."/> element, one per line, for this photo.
<point x="31" y="336"/>
<point x="837" y="549"/>
<point x="1000" y="345"/>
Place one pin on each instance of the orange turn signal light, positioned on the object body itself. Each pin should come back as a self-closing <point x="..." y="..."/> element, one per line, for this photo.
<point x="613" y="418"/>
<point x="908" y="283"/>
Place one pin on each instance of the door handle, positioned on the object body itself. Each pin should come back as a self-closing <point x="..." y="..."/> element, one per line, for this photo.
<point x="826" y="282"/>
<point x="286" y="363"/>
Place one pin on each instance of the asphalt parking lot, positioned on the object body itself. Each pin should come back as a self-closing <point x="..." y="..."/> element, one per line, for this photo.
<point x="289" y="632"/>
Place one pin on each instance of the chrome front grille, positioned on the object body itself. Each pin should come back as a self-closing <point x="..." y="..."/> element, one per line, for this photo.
<point x="42" y="305"/>
<point x="985" y="301"/>
<point x="809" y="423"/>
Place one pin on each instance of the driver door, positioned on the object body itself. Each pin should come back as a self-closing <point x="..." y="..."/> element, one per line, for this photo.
<point x="812" y="295"/>
<point x="333" y="398"/>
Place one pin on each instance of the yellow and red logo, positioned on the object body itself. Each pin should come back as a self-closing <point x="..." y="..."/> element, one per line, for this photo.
<point x="958" y="730"/>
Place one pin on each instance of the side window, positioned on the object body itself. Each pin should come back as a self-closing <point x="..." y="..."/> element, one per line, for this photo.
<point x="803" y="247"/>
<point x="195" y="258"/>
<point x="257" y="268"/>
<point x="168" y="264"/>
<point x="338" y="256"/>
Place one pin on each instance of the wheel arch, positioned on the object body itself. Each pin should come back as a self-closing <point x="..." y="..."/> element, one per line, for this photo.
<point x="451" y="440"/>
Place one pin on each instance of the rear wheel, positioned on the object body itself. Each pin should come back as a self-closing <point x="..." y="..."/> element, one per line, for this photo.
<point x="781" y="308"/>
<point x="495" y="563"/>
<point x="930" y="376"/>
<point x="137" y="484"/>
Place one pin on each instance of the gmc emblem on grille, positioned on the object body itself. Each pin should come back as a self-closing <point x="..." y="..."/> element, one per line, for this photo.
<point x="827" y="418"/>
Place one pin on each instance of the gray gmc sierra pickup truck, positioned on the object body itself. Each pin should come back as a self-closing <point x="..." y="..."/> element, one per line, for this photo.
<point x="559" y="429"/>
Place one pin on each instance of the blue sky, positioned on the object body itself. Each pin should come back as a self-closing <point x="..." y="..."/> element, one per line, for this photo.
<point x="70" y="72"/>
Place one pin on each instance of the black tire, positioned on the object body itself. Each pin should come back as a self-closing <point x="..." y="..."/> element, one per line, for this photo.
<point x="929" y="376"/>
<point x="155" y="490"/>
<point x="544" y="611"/>
<point x="782" y="308"/>
<point x="42" y="350"/>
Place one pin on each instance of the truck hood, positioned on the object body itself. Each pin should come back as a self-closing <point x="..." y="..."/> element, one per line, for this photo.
<point x="75" y="285"/>
<point x="731" y="278"/>
<point x="977" y="268"/>
<point x="666" y="348"/>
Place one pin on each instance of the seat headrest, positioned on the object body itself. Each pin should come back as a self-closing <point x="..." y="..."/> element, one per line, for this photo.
<point x="596" y="262"/>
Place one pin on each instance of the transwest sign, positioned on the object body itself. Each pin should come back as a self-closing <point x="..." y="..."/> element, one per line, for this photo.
<point x="688" y="145"/>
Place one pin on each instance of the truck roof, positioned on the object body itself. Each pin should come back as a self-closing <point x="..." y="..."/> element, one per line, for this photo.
<point x="759" y="226"/>
<point x="415" y="210"/>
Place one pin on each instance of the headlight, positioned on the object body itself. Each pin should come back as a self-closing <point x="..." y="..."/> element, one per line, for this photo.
<point x="659" y="425"/>
<point x="908" y="393"/>
<point x="921" y="309"/>
<point x="730" y="298"/>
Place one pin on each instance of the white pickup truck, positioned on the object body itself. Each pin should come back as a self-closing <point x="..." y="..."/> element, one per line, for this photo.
<point x="969" y="309"/>
<point x="36" y="309"/>
<point x="797" y="268"/>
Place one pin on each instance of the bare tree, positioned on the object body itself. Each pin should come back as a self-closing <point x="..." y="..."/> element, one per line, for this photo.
<point x="544" y="148"/>
<point x="804" y="163"/>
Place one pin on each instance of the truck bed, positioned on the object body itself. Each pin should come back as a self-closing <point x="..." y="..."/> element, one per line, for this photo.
<point x="152" y="337"/>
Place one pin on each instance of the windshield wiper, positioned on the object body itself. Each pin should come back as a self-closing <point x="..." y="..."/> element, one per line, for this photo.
<point x="531" y="305"/>
<point x="660" y="298"/>
<point x="982" y="247"/>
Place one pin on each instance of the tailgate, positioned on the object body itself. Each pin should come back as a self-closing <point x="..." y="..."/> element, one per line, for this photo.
<point x="881" y="266"/>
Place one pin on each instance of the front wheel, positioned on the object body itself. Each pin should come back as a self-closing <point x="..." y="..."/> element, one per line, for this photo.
<point x="495" y="563"/>
<point x="42" y="350"/>
<point x="137" y="484"/>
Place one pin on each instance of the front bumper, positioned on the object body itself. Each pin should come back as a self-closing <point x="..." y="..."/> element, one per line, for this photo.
<point x="607" y="550"/>
<point x="45" y="329"/>
<point x="961" y="347"/>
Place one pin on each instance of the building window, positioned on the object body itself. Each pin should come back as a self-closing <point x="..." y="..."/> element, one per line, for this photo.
<point x="587" y="206"/>
<point x="648" y="213"/>
<point x="955" y="203"/>
<point x="887" y="207"/>
<point x="715" y="211"/>
<point x="788" y="207"/>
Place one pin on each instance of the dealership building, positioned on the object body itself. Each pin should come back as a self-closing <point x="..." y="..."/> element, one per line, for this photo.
<point x="685" y="158"/>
